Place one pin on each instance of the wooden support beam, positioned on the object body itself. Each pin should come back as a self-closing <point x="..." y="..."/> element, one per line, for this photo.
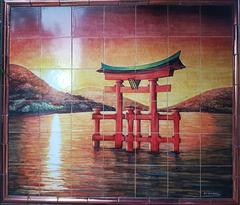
<point x="104" y="116"/>
<point x="141" y="89"/>
<point x="142" y="139"/>
<point x="140" y="75"/>
<point x="99" y="137"/>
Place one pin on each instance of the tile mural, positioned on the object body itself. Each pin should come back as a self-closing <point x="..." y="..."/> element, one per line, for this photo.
<point x="103" y="104"/>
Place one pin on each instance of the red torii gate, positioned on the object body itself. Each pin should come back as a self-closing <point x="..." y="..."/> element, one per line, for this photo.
<point x="134" y="74"/>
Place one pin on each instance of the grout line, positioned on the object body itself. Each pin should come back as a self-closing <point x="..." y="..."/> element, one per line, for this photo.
<point x="71" y="154"/>
<point x="103" y="58"/>
<point x="41" y="57"/>
<point x="167" y="100"/>
<point x="136" y="59"/>
<point x="200" y="140"/>
<point x="115" y="36"/>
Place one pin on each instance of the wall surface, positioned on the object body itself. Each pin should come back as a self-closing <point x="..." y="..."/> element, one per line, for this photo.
<point x="54" y="87"/>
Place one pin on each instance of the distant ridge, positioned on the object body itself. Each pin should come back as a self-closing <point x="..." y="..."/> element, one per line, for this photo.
<point x="217" y="100"/>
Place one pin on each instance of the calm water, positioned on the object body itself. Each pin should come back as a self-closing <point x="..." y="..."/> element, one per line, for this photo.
<point x="53" y="155"/>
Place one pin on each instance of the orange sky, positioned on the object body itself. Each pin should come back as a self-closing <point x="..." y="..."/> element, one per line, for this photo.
<point x="66" y="46"/>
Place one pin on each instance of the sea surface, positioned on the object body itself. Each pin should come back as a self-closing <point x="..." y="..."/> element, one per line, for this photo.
<point x="53" y="155"/>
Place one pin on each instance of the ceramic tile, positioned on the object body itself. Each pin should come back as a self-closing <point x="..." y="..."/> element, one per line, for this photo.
<point x="25" y="22"/>
<point x="145" y="126"/>
<point x="56" y="123"/>
<point x="216" y="182"/>
<point x="86" y="185"/>
<point x="151" y="181"/>
<point x="190" y="55"/>
<point x="216" y="123"/>
<point x="216" y="21"/>
<point x="53" y="195"/>
<point x="218" y="48"/>
<point x="114" y="157"/>
<point x="56" y="84"/>
<point x="79" y="107"/>
<point x="129" y="100"/>
<point x="150" y="49"/>
<point x="119" y="21"/>
<point x="152" y="21"/>
<point x="56" y="21"/>
<point x="109" y="99"/>
<point x="124" y="174"/>
<point x="184" y="20"/>
<point x="216" y="149"/>
<point x="16" y="180"/>
<point x="74" y="2"/>
<point x="136" y="100"/>
<point x="87" y="53"/>
<point x="145" y="158"/>
<point x="81" y="125"/>
<point x="27" y="151"/>
<point x="191" y="123"/>
<point x="31" y="169"/>
<point x="89" y="158"/>
<point x="104" y="2"/>
<point x="24" y="53"/>
<point x="21" y="113"/>
<point x="181" y="97"/>
<point x="18" y="146"/>
<point x="108" y="126"/>
<point x="87" y="85"/>
<point x="55" y="151"/>
<point x="218" y="100"/>
<point x="56" y="53"/>
<point x="87" y="22"/>
<point x="115" y="51"/>
<point x="166" y="127"/>
<point x="43" y="3"/>
<point x="181" y="181"/>
<point x="25" y="84"/>
<point x="190" y="151"/>
<point x="52" y="186"/>
<point x="110" y="154"/>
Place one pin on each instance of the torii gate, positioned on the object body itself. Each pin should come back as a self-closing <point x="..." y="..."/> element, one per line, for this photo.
<point x="134" y="74"/>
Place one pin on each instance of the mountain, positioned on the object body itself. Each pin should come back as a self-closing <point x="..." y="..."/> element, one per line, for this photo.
<point x="217" y="100"/>
<point x="30" y="94"/>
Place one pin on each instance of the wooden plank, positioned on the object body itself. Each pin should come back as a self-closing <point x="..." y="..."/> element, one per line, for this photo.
<point x="139" y="75"/>
<point x="103" y="137"/>
<point x="163" y="88"/>
<point x="141" y="89"/>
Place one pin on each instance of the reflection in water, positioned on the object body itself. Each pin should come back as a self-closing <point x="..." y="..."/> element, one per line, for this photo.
<point x="70" y="167"/>
<point x="54" y="162"/>
<point x="54" y="153"/>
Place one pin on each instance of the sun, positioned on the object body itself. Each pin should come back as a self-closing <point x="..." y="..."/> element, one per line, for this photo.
<point x="59" y="79"/>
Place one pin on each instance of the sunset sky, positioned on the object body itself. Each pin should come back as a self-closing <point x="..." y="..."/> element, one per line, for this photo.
<point x="66" y="45"/>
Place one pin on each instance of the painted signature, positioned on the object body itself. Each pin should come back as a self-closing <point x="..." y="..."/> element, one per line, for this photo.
<point x="211" y="194"/>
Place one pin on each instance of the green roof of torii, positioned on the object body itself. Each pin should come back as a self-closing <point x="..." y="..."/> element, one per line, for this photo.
<point x="145" y="67"/>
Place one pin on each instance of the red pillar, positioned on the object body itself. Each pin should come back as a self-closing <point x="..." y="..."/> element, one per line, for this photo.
<point x="154" y="114"/>
<point x="138" y="127"/>
<point x="96" y="143"/>
<point x="119" y="119"/>
<point x="130" y="118"/>
<point x="176" y="137"/>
